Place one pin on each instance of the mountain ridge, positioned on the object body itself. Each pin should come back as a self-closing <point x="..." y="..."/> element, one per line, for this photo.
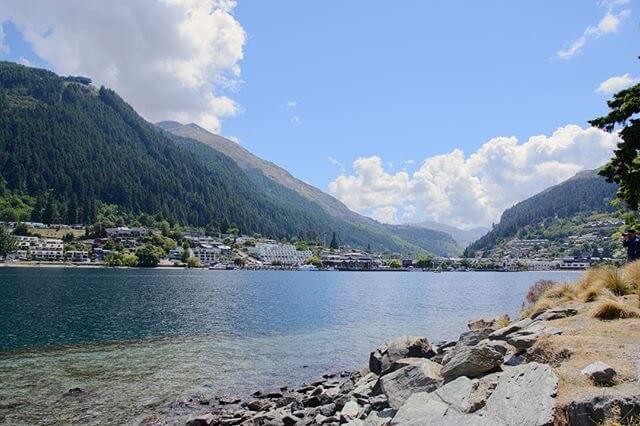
<point x="584" y="192"/>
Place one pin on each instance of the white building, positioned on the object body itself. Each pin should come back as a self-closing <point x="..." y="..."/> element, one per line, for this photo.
<point x="47" y="249"/>
<point x="285" y="254"/>
<point x="126" y="232"/>
<point x="77" y="256"/>
<point x="206" y="253"/>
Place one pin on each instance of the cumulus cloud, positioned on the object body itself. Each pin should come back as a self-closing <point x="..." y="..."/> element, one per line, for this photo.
<point x="615" y="84"/>
<point x="609" y="24"/>
<point x="171" y="59"/>
<point x="472" y="190"/>
<point x="4" y="48"/>
<point x="291" y="104"/>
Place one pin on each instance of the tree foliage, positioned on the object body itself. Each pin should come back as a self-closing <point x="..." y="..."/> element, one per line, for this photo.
<point x="624" y="167"/>
<point x="149" y="255"/>
<point x="7" y="241"/>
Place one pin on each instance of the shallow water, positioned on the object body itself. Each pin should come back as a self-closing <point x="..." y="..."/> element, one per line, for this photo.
<point x="137" y="340"/>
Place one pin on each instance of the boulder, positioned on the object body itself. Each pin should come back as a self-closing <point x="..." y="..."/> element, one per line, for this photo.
<point x="596" y="410"/>
<point x="553" y="314"/>
<point x="381" y="360"/>
<point x="473" y="337"/>
<point x="526" y="337"/>
<point x="502" y="333"/>
<point x="364" y="386"/>
<point x="379" y="418"/>
<point x="471" y="361"/>
<point x="500" y="345"/>
<point x="525" y="395"/>
<point x="487" y="322"/>
<point x="600" y="373"/>
<point x="204" y="420"/>
<point x="350" y="411"/>
<point x="423" y="409"/>
<point x="402" y="383"/>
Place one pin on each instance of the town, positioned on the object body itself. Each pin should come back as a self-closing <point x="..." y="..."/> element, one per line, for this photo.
<point x="35" y="243"/>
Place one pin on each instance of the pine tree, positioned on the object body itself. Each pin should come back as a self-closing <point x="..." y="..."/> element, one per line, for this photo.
<point x="334" y="242"/>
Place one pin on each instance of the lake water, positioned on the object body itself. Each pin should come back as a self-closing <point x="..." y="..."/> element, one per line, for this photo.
<point x="137" y="340"/>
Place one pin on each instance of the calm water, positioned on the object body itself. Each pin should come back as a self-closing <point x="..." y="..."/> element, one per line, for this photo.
<point x="137" y="340"/>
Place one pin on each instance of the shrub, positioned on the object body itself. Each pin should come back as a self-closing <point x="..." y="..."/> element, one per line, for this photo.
<point x="611" y="310"/>
<point x="193" y="262"/>
<point x="538" y="289"/>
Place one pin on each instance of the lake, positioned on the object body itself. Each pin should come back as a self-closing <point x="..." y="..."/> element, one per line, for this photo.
<point x="137" y="340"/>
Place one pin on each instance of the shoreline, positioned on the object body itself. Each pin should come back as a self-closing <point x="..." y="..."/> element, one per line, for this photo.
<point x="489" y="376"/>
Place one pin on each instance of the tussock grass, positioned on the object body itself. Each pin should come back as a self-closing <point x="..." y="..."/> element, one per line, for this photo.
<point x="502" y="321"/>
<point x="631" y="272"/>
<point x="612" y="310"/>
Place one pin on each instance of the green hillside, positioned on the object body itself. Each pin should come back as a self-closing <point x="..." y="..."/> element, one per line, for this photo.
<point x="587" y="192"/>
<point x="66" y="146"/>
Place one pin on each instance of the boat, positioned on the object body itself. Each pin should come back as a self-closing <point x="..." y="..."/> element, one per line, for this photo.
<point x="217" y="267"/>
<point x="307" y="268"/>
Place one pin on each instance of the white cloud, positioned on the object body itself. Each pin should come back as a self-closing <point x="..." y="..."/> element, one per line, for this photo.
<point x="337" y="163"/>
<point x="291" y="104"/>
<point x="615" y="84"/>
<point x="169" y="58"/>
<point x="296" y="120"/>
<point x="385" y="214"/>
<point x="472" y="190"/>
<point x="233" y="139"/>
<point x="609" y="24"/>
<point x="4" y="48"/>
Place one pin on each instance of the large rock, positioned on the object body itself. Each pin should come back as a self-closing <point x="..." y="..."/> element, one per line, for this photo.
<point x="525" y="395"/>
<point x="487" y="322"/>
<point x="554" y="314"/>
<point x="381" y="360"/>
<point x="422" y="409"/>
<point x="401" y="384"/>
<point x="471" y="361"/>
<point x="502" y="333"/>
<point x="594" y="411"/>
<point x="473" y="337"/>
<point x="526" y="337"/>
<point x="600" y="373"/>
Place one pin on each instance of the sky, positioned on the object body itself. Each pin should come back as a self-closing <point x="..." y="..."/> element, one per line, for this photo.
<point x="405" y="111"/>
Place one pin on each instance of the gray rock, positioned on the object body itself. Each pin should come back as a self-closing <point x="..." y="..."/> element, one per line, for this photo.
<point x="404" y="362"/>
<point x="471" y="361"/>
<point x="382" y="358"/>
<point x="526" y="337"/>
<point x="327" y="410"/>
<point x="600" y="373"/>
<point x="500" y="345"/>
<point x="364" y="386"/>
<point x="457" y="393"/>
<point x="502" y="333"/>
<point x="204" y="420"/>
<point x="350" y="410"/>
<point x="376" y="418"/>
<point x="525" y="395"/>
<point x="473" y="337"/>
<point x="379" y="402"/>
<point x="485" y="322"/>
<point x="553" y="314"/>
<point x="402" y="383"/>
<point x="596" y="410"/>
<point x="422" y="409"/>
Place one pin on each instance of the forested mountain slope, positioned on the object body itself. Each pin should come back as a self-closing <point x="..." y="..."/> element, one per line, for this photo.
<point x="586" y="192"/>
<point x="71" y="146"/>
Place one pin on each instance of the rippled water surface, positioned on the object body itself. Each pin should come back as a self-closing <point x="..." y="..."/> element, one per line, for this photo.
<point x="137" y="340"/>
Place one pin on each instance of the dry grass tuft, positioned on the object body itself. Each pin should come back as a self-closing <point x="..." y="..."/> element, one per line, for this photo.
<point x="614" y="280"/>
<point x="538" y="289"/>
<point x="564" y="291"/>
<point x="502" y="321"/>
<point x="631" y="272"/>
<point x="539" y="307"/>
<point x="612" y="310"/>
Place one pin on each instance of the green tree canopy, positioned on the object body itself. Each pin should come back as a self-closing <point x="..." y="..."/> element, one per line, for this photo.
<point x="7" y="242"/>
<point x="149" y="256"/>
<point x="624" y="167"/>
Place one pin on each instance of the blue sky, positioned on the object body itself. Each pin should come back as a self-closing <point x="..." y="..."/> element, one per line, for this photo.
<point x="323" y="84"/>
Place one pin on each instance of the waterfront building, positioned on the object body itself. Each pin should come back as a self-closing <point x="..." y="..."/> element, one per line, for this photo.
<point x="284" y="254"/>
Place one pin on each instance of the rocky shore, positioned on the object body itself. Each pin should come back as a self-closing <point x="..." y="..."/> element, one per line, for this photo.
<point x="497" y="373"/>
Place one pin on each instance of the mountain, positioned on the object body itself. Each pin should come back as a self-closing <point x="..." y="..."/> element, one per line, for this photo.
<point x="464" y="237"/>
<point x="248" y="161"/>
<point x="71" y="147"/>
<point x="586" y="192"/>
<point x="280" y="184"/>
